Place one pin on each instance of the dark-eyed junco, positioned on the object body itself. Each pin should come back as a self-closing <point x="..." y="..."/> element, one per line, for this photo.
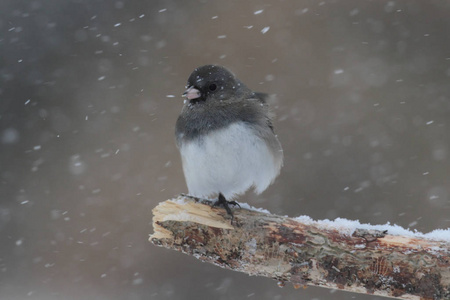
<point x="226" y="137"/>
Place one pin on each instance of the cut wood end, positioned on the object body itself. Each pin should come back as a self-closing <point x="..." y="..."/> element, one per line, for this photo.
<point x="183" y="209"/>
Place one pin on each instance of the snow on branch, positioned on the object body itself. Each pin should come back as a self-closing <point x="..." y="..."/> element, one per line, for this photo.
<point x="382" y="260"/>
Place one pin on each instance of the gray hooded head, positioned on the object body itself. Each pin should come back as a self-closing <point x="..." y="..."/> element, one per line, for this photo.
<point x="215" y="98"/>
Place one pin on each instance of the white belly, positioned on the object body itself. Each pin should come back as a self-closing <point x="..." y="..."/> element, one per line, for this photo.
<point x="229" y="161"/>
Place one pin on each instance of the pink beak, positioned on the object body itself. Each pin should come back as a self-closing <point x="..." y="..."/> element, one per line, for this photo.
<point x="191" y="93"/>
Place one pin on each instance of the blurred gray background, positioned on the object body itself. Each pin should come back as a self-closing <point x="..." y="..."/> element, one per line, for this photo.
<point x="90" y="92"/>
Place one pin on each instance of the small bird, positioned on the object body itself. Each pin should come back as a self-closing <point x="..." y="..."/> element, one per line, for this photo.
<point x="226" y="137"/>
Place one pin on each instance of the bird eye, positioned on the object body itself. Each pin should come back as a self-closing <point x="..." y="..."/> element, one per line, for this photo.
<point x="212" y="87"/>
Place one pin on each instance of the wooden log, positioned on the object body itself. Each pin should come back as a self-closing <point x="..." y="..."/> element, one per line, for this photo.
<point x="305" y="252"/>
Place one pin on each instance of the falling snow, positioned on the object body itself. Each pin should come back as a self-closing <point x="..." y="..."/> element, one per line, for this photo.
<point x="265" y="29"/>
<point x="89" y="98"/>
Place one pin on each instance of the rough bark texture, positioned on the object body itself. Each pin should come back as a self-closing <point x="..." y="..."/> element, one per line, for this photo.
<point x="369" y="262"/>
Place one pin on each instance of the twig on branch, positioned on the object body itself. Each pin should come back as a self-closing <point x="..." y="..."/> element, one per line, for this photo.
<point x="305" y="252"/>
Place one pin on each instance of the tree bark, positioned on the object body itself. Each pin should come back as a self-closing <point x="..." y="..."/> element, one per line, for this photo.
<point x="305" y="253"/>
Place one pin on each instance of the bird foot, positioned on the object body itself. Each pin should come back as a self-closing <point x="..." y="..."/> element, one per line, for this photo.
<point x="221" y="201"/>
<point x="198" y="199"/>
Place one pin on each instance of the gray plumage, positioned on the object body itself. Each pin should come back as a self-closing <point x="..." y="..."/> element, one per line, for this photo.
<point x="225" y="136"/>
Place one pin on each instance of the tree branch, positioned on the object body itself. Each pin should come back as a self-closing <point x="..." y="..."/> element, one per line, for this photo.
<point x="328" y="254"/>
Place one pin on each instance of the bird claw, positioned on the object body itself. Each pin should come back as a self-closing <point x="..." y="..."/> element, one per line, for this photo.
<point x="197" y="199"/>
<point x="234" y="203"/>
<point x="189" y="196"/>
<point x="221" y="201"/>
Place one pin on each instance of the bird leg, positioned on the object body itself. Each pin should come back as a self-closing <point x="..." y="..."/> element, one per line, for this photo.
<point x="221" y="201"/>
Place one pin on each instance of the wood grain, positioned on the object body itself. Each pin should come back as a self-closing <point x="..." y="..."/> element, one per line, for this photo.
<point x="262" y="244"/>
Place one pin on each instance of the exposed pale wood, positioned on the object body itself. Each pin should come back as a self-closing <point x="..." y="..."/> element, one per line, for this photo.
<point x="257" y="243"/>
